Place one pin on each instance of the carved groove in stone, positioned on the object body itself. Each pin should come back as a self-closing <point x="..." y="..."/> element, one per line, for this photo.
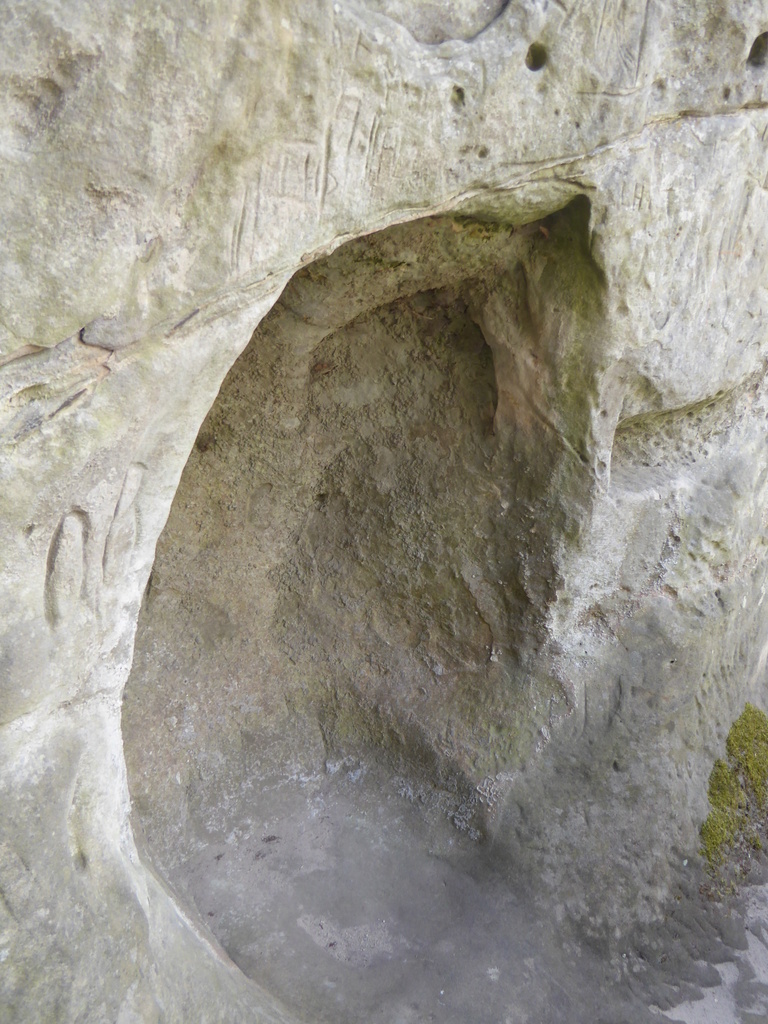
<point x="66" y="566"/>
<point x="123" y="530"/>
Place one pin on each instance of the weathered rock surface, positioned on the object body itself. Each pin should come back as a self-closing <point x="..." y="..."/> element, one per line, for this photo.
<point x="482" y="506"/>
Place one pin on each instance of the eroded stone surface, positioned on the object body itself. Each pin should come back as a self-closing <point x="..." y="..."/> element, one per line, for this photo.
<point x="162" y="178"/>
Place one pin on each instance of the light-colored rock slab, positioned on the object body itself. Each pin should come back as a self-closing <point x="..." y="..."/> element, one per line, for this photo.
<point x="162" y="175"/>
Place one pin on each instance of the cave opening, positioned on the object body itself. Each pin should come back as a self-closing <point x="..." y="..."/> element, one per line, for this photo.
<point x="329" y="673"/>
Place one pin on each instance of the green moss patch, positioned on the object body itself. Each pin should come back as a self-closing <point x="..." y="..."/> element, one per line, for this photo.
<point x="738" y="790"/>
<point x="747" y="747"/>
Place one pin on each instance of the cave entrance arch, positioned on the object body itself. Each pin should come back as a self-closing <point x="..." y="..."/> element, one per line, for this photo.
<point x="352" y="581"/>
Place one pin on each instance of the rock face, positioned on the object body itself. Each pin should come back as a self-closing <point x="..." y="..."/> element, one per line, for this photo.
<point x="482" y="504"/>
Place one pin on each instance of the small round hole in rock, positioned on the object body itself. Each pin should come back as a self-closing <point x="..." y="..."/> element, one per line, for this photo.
<point x="758" y="55"/>
<point x="536" y="57"/>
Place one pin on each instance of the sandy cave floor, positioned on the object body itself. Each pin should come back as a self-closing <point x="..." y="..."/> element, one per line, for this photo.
<point x="351" y="901"/>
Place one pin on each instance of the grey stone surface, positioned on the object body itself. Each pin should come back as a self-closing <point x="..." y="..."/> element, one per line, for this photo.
<point x="163" y="175"/>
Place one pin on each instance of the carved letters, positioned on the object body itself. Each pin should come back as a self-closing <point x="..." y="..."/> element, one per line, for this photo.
<point x="636" y="195"/>
<point x="295" y="181"/>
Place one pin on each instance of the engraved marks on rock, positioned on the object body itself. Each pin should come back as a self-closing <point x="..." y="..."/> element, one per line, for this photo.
<point x="124" y="528"/>
<point x="66" y="569"/>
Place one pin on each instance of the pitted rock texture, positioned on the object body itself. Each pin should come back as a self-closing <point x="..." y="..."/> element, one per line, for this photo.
<point x="164" y="177"/>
